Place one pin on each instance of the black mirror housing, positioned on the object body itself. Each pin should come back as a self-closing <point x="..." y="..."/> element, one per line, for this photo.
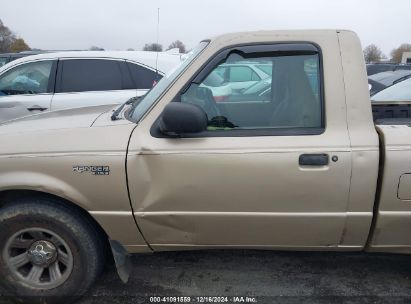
<point x="183" y="118"/>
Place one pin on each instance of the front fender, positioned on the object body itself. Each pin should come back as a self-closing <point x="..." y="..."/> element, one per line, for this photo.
<point x="108" y="206"/>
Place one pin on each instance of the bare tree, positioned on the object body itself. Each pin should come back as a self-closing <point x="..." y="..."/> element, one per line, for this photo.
<point x="396" y="54"/>
<point x="153" y="47"/>
<point x="177" y="44"/>
<point x="6" y="38"/>
<point x="372" y="53"/>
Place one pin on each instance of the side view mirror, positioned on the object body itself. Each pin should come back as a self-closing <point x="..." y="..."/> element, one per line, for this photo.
<point x="181" y="118"/>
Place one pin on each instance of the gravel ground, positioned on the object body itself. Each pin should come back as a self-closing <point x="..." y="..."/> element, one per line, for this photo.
<point x="262" y="276"/>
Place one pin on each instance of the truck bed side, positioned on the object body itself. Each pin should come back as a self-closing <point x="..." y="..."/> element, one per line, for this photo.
<point x="393" y="216"/>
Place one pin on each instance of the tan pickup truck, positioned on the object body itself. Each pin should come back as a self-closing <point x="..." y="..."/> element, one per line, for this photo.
<point x="293" y="161"/>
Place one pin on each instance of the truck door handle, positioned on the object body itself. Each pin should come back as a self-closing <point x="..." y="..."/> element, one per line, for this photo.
<point x="313" y="159"/>
<point x="36" y="108"/>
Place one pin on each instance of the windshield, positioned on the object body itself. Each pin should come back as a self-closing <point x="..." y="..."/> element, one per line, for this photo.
<point x="151" y="97"/>
<point x="389" y="78"/>
<point x="398" y="92"/>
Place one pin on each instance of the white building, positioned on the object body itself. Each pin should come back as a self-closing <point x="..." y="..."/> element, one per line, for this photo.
<point x="406" y="57"/>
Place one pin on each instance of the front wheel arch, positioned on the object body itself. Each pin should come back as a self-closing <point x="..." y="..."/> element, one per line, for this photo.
<point x="116" y="253"/>
<point x="9" y="196"/>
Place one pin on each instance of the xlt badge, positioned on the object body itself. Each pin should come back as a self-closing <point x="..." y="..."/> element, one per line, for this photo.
<point x="95" y="170"/>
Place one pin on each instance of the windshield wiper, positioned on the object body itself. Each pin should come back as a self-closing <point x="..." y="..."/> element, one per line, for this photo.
<point x="132" y="100"/>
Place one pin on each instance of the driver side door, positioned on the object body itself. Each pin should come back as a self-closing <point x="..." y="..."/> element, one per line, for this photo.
<point x="26" y="89"/>
<point x="269" y="175"/>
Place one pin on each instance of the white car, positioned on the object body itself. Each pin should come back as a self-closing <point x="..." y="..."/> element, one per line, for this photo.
<point x="55" y="81"/>
<point x="234" y="78"/>
<point x="241" y="76"/>
<point x="220" y="89"/>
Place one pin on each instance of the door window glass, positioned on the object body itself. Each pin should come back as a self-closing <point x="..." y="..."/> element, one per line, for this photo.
<point x="81" y="75"/>
<point x="143" y="78"/>
<point x="3" y="61"/>
<point x="266" y="68"/>
<point x="29" y="78"/>
<point x="242" y="74"/>
<point x="288" y="98"/>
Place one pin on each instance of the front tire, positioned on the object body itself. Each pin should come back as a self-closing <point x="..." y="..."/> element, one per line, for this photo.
<point x="49" y="252"/>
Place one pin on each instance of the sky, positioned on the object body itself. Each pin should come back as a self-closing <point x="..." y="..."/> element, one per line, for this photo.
<point x="123" y="24"/>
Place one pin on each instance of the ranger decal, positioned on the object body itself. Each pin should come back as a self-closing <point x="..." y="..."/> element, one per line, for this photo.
<point x="95" y="170"/>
